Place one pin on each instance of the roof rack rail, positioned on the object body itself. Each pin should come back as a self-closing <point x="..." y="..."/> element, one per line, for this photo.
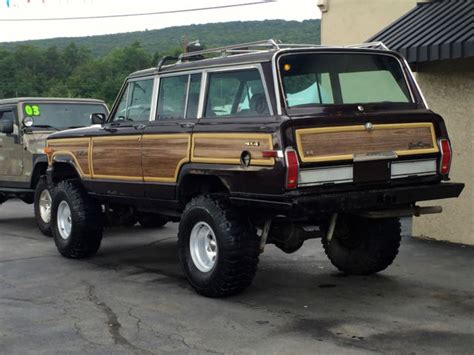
<point x="249" y="47"/>
<point x="165" y="59"/>
<point x="254" y="47"/>
<point x="370" y="45"/>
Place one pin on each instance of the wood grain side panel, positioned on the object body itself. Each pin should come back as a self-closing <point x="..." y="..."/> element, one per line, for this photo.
<point x="77" y="149"/>
<point x="163" y="156"/>
<point x="343" y="142"/>
<point x="227" y="148"/>
<point x="117" y="158"/>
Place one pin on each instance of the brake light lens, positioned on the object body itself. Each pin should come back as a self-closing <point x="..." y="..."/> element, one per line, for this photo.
<point x="446" y="156"/>
<point x="292" y="166"/>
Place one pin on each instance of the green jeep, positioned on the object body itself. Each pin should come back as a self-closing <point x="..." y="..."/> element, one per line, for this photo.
<point x="25" y="123"/>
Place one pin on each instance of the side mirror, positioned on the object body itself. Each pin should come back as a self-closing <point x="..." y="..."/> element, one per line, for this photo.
<point x="6" y="127"/>
<point x="98" y="118"/>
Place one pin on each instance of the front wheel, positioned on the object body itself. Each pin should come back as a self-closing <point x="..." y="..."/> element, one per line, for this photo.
<point x="218" y="248"/>
<point x="362" y="246"/>
<point x="77" y="221"/>
<point x="42" y="201"/>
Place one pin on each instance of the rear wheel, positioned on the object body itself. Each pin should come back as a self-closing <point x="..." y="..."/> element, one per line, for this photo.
<point x="218" y="248"/>
<point x="362" y="246"/>
<point x="77" y="221"/>
<point x="43" y="201"/>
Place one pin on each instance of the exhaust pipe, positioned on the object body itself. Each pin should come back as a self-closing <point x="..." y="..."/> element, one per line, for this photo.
<point x="416" y="211"/>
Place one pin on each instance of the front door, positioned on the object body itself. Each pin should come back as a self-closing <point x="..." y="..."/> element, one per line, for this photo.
<point x="167" y="139"/>
<point x="117" y="153"/>
<point x="11" y="152"/>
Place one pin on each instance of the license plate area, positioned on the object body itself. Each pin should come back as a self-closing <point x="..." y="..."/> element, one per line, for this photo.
<point x="372" y="171"/>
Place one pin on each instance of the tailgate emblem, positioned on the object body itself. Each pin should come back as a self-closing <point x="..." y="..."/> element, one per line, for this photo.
<point x="252" y="144"/>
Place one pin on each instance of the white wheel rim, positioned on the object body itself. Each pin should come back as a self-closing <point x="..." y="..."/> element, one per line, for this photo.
<point x="64" y="220"/>
<point x="203" y="246"/>
<point x="45" y="206"/>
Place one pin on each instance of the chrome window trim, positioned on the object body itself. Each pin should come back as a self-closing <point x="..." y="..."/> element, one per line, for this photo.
<point x="412" y="76"/>
<point x="204" y="81"/>
<point x="291" y="51"/>
<point x="185" y="113"/>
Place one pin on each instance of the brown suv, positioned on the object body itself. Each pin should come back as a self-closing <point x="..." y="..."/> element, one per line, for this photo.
<point x="253" y="144"/>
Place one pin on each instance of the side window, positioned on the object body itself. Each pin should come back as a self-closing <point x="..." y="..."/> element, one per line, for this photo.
<point x="139" y="103"/>
<point x="236" y="94"/>
<point x="7" y="116"/>
<point x="172" y="97"/>
<point x="135" y="103"/>
<point x="193" y="96"/>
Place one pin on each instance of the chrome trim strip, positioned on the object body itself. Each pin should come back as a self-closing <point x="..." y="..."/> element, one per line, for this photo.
<point x="318" y="176"/>
<point x="403" y="169"/>
<point x="416" y="83"/>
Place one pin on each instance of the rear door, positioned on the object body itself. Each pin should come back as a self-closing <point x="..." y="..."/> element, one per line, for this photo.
<point x="236" y="131"/>
<point x="117" y="153"/>
<point x="167" y="138"/>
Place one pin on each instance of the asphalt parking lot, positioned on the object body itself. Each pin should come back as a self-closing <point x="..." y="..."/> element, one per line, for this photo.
<point x="133" y="298"/>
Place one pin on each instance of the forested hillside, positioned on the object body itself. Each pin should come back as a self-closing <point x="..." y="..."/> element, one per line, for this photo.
<point x="96" y="66"/>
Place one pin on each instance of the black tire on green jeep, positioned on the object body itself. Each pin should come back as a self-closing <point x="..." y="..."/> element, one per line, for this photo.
<point x="361" y="246"/>
<point x="151" y="220"/>
<point x="218" y="247"/>
<point x="77" y="221"/>
<point x="42" y="206"/>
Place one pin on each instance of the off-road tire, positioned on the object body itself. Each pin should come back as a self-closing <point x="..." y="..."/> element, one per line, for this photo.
<point x="237" y="241"/>
<point x="87" y="221"/>
<point x="151" y="220"/>
<point x="361" y="246"/>
<point x="44" y="227"/>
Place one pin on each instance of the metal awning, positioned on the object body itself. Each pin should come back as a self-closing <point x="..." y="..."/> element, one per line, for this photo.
<point x="436" y="30"/>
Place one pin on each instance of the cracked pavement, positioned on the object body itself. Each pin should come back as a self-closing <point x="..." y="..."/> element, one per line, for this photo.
<point x="132" y="298"/>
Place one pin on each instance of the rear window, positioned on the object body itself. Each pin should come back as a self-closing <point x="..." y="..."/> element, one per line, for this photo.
<point x="327" y="79"/>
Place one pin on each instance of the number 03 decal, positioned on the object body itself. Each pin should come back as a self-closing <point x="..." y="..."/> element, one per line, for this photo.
<point x="32" y="110"/>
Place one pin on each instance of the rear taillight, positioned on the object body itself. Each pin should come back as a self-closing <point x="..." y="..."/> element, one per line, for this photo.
<point x="291" y="159"/>
<point x="446" y="155"/>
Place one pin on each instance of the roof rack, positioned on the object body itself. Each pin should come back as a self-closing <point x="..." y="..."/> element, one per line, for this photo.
<point x="249" y="47"/>
<point x="255" y="47"/>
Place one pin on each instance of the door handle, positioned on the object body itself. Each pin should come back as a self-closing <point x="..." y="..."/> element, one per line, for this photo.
<point x="187" y="124"/>
<point x="139" y="126"/>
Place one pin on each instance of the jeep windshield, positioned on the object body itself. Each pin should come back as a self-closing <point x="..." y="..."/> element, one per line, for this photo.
<point x="312" y="79"/>
<point x="61" y="115"/>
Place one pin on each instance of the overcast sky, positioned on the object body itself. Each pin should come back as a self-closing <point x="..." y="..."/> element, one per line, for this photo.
<point x="36" y="9"/>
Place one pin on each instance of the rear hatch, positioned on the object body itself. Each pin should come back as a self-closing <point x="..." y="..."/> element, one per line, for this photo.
<point x="357" y="117"/>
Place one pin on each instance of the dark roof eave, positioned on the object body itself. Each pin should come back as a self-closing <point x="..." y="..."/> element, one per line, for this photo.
<point x="426" y="34"/>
